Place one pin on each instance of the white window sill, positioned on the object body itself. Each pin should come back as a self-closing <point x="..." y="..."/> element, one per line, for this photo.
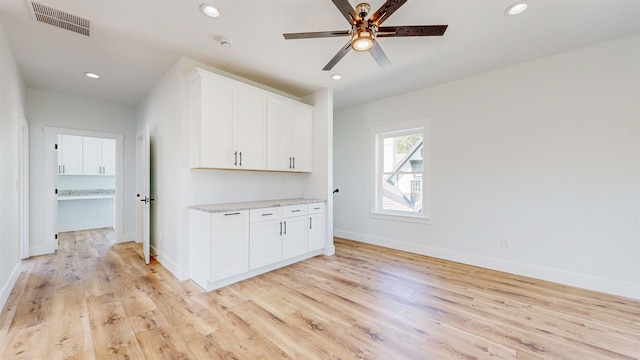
<point x="417" y="219"/>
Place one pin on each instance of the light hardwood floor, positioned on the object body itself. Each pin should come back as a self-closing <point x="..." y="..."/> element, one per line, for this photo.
<point x="97" y="300"/>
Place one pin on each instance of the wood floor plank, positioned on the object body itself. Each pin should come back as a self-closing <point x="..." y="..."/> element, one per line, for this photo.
<point x="157" y="338"/>
<point x="112" y="334"/>
<point x="95" y="299"/>
<point x="70" y="334"/>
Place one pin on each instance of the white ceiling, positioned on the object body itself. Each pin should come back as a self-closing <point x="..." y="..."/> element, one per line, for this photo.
<point x="134" y="42"/>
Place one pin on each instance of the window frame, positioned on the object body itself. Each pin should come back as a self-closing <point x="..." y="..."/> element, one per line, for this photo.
<point x="378" y="134"/>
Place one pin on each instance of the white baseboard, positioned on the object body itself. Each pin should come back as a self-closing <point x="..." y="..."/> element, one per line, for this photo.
<point x="610" y="286"/>
<point x="42" y="249"/>
<point x="85" y="226"/>
<point x="173" y="267"/>
<point x="329" y="250"/>
<point x="126" y="237"/>
<point x="8" y="286"/>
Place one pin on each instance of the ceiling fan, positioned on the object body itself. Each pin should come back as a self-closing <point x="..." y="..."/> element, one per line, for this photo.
<point x="364" y="31"/>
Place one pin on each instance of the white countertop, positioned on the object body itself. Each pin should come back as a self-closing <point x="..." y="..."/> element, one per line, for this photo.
<point x="213" y="208"/>
<point x="85" y="197"/>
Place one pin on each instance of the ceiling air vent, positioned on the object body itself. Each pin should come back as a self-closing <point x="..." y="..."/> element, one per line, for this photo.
<point x="62" y="19"/>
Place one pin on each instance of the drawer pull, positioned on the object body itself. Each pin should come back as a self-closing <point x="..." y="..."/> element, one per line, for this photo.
<point x="269" y="214"/>
<point x="296" y="210"/>
<point x="230" y="214"/>
<point x="316" y="208"/>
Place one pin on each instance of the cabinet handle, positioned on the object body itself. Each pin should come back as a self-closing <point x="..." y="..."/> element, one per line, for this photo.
<point x="294" y="162"/>
<point x="296" y="210"/>
<point x="235" y="161"/>
<point x="58" y="169"/>
<point x="269" y="214"/>
<point x="231" y="214"/>
<point x="240" y="158"/>
<point x="280" y="228"/>
<point x="63" y="169"/>
<point x="285" y="227"/>
<point x="310" y="223"/>
<point x="316" y="208"/>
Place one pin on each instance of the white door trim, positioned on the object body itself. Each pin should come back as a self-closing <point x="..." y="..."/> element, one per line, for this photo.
<point x="51" y="180"/>
<point x="24" y="188"/>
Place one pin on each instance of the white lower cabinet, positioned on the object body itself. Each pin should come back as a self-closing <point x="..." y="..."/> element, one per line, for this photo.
<point x="294" y="237"/>
<point x="219" y="245"/>
<point x="315" y="232"/>
<point x="277" y="234"/>
<point x="265" y="244"/>
<point x="226" y="247"/>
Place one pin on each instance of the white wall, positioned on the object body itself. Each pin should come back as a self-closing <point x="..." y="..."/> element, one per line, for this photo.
<point x="176" y="186"/>
<point x="546" y="154"/>
<point x="86" y="182"/>
<point x="12" y="99"/>
<point x="319" y="183"/>
<point x="83" y="214"/>
<point x="51" y="109"/>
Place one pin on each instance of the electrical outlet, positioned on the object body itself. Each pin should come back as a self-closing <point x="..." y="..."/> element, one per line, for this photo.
<point x="505" y="242"/>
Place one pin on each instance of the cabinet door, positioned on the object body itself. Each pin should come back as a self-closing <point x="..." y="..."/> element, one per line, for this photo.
<point x="279" y="156"/>
<point x="294" y="237"/>
<point x="108" y="156"/>
<point x="250" y="129"/>
<point x="265" y="247"/>
<point x="70" y="154"/>
<point x="301" y="127"/>
<point x="315" y="232"/>
<point x="229" y="244"/>
<point x="216" y="124"/>
<point x="91" y="156"/>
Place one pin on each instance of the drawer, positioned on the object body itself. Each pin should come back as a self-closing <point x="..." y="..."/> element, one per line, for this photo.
<point x="294" y="210"/>
<point x="316" y="208"/>
<point x="264" y="214"/>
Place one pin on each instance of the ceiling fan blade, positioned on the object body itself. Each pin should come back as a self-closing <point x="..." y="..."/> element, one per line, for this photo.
<point x="385" y="11"/>
<point x="379" y="55"/>
<point x="317" y="34"/>
<point x="418" y="30"/>
<point x="345" y="49"/>
<point x="346" y="10"/>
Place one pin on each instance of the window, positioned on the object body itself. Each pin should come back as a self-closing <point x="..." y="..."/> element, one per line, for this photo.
<point x="399" y="172"/>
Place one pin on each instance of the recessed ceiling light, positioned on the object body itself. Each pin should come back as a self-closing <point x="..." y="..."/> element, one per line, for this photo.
<point x="92" y="75"/>
<point x="226" y="43"/>
<point x="517" y="8"/>
<point x="336" y="76"/>
<point x="209" y="10"/>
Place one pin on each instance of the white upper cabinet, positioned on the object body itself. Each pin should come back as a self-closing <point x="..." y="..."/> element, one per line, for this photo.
<point x="238" y="126"/>
<point x="288" y="135"/>
<point x="250" y="128"/>
<point x="98" y="156"/>
<point x="69" y="155"/>
<point x="108" y="156"/>
<point x="227" y="123"/>
<point x="83" y="155"/>
<point x="301" y="118"/>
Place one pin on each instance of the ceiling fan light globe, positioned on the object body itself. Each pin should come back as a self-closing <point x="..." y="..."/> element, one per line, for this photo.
<point x="362" y="41"/>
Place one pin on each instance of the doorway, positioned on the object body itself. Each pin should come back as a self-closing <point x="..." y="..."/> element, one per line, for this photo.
<point x="52" y="165"/>
<point x="86" y="182"/>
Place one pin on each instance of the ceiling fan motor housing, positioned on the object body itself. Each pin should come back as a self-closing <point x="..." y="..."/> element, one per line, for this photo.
<point x="363" y="10"/>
